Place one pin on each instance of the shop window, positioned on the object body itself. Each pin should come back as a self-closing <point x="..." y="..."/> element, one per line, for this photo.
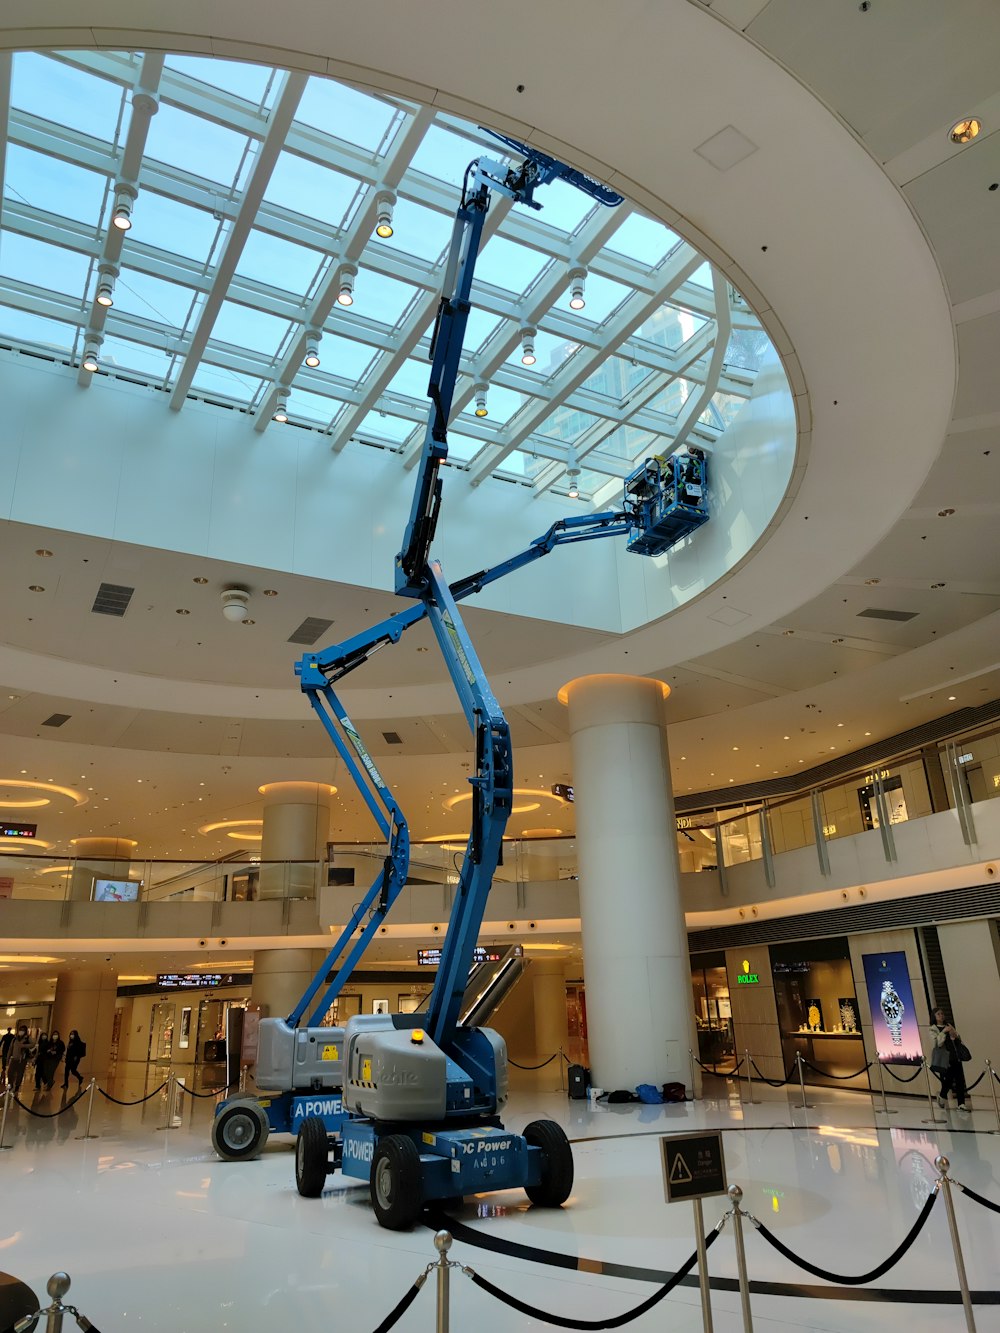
<point x="817" y="1005"/>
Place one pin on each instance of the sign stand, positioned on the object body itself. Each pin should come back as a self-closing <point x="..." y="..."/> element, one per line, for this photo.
<point x="694" y="1168"/>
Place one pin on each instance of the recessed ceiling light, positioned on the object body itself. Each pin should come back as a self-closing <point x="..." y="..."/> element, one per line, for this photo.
<point x="840" y="724"/>
<point x="787" y="632"/>
<point x="199" y="579"/>
<point x="181" y="612"/>
<point x="945" y="513"/>
<point x="938" y="585"/>
<point x="42" y="551"/>
<point x="964" y="131"/>
<point x="786" y="738"/>
<point x="35" y="587"/>
<point x="270" y="592"/>
<point x="951" y="698"/>
<point x="870" y="583"/>
<point x="248" y="622"/>
<point x="867" y="733"/>
<point x="735" y="748"/>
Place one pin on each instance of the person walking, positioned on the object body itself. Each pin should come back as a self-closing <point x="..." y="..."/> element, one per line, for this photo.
<point x="76" y="1049"/>
<point x="945" y="1061"/>
<point x="52" y="1059"/>
<point x="40" y="1049"/>
<point x="6" y="1041"/>
<point x="17" y="1058"/>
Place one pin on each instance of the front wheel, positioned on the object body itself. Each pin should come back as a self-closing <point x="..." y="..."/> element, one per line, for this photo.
<point x="312" y="1156"/>
<point x="395" y="1182"/>
<point x="556" y="1181"/>
<point x="240" y="1131"/>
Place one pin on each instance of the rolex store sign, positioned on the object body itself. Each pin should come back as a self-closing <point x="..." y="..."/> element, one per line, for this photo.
<point x="746" y="977"/>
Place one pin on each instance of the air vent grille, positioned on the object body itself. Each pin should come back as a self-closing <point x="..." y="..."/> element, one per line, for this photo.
<point x="880" y="613"/>
<point x="56" y="720"/>
<point x="951" y="905"/>
<point x="392" y="738"/>
<point x="112" y="599"/>
<point x="310" y="630"/>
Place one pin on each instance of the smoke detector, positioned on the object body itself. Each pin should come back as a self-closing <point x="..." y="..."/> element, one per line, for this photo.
<point x="234" y="604"/>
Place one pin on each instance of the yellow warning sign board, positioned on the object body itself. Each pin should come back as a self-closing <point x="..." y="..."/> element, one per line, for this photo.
<point x="330" y="1053"/>
<point x="366" y="1069"/>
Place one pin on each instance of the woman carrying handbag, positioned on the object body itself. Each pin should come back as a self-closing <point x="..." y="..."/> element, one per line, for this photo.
<point x="946" y="1061"/>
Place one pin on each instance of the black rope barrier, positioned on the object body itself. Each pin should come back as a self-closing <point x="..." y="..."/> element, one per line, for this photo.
<point x="898" y="1077"/>
<point x="720" y="1073"/>
<point x="541" y="1066"/>
<point x="49" y="1115"/>
<point x="995" y="1075"/>
<point x="771" y="1082"/>
<point x="614" y="1321"/>
<point x="823" y="1073"/>
<point x="978" y="1198"/>
<point x="840" y="1278"/>
<point x="401" y="1308"/>
<point x="970" y="1086"/>
<point x="108" y="1097"/>
<point x="214" y="1092"/>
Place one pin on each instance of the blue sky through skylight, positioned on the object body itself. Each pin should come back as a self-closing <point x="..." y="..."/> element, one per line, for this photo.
<point x="53" y="185"/>
<point x="47" y="266"/>
<point x="249" y="81"/>
<point x="359" y="118"/>
<point x="163" y="222"/>
<point x="55" y="91"/>
<point x="196" y="144"/>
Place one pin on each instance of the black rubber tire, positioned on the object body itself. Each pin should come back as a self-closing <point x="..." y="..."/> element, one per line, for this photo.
<point x="556" y="1183"/>
<point x="395" y="1182"/>
<point x="240" y="1131"/>
<point x="312" y="1158"/>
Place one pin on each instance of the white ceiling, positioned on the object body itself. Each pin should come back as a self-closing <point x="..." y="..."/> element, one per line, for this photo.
<point x="877" y="471"/>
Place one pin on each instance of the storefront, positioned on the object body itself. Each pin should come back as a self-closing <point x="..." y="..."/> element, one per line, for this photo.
<point x="713" y="1013"/>
<point x="818" y="1012"/>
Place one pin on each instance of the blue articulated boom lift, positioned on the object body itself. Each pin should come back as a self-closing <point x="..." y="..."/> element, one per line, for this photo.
<point x="410" y="1103"/>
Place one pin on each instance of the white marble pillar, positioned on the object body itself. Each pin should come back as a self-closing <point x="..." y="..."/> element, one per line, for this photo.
<point x="640" y="1012"/>
<point x="295" y="833"/>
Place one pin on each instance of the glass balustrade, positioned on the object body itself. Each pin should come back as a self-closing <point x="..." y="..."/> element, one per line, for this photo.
<point x="911" y="786"/>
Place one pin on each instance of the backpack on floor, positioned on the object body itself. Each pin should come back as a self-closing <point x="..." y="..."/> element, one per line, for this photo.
<point x="674" y="1092"/>
<point x="646" y="1092"/>
<point x="622" y="1095"/>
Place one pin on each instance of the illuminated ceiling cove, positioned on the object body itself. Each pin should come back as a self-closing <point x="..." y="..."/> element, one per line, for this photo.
<point x="273" y="242"/>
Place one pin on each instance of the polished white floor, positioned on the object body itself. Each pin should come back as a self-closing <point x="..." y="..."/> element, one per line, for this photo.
<point x="158" y="1234"/>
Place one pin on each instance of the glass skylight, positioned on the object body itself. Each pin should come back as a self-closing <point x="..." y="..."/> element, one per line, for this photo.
<point x="609" y="379"/>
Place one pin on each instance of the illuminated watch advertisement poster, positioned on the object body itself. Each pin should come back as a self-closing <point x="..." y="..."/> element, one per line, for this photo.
<point x="897" y="1036"/>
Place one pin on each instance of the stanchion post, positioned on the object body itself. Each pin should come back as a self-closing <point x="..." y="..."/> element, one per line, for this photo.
<point x="802" y="1082"/>
<point x="562" y="1070"/>
<point x="735" y="1195"/>
<point x="92" y="1087"/>
<point x="989" y="1075"/>
<point x="170" y="1101"/>
<point x="881" y="1088"/>
<point x="930" y="1098"/>
<point x="7" y="1094"/>
<point x="442" y="1243"/>
<point x="692" y="1068"/>
<point x="750" y="1100"/>
<point x="944" y="1185"/>
<point x="703" y="1283"/>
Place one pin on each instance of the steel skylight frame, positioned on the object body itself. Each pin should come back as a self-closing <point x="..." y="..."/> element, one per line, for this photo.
<point x="496" y="447"/>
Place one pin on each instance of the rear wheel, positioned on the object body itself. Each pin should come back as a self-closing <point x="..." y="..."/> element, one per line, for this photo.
<point x="312" y="1156"/>
<point x="395" y="1182"/>
<point x="240" y="1131"/>
<point x="556" y="1181"/>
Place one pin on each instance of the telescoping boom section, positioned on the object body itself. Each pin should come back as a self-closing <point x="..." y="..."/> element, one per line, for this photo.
<point x="422" y="1094"/>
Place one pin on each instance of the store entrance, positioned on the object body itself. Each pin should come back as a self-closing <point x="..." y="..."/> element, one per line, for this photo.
<point x="713" y="1014"/>
<point x="161" y="1032"/>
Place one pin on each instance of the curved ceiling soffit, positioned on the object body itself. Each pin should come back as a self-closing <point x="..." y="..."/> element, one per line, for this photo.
<point x="805" y="186"/>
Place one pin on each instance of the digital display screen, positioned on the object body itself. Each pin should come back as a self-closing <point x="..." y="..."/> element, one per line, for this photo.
<point x="890" y="997"/>
<point x="9" y="830"/>
<point x="193" y="980"/>
<point x="116" y="890"/>
<point x="563" y="791"/>
<point x="432" y="957"/>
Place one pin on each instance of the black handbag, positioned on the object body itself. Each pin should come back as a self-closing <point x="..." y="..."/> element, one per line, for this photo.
<point x="963" y="1052"/>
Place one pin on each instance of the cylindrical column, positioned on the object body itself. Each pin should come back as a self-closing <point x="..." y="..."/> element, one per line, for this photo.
<point x="99" y="858"/>
<point x="635" y="957"/>
<point x="293" y="846"/>
<point x="548" y="985"/>
<point x="280" y="978"/>
<point x="85" y="1000"/>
